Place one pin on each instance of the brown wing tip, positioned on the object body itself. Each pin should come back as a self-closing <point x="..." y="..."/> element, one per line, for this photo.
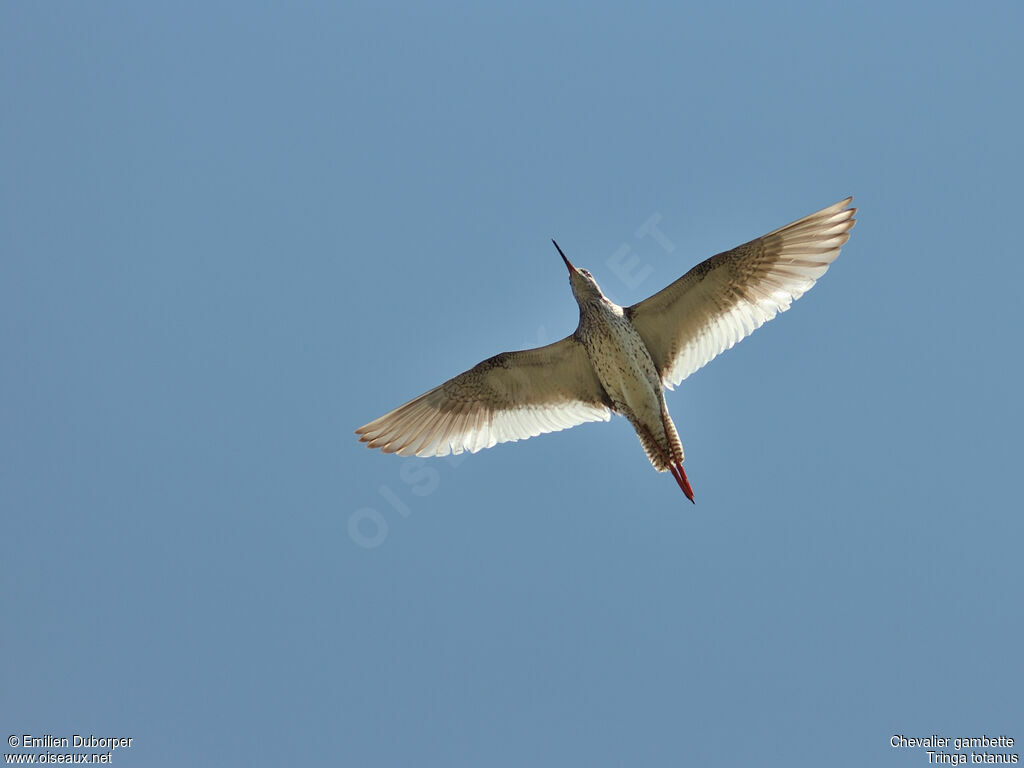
<point x="845" y="207"/>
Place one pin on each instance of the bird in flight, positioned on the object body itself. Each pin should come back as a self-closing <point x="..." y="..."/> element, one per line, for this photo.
<point x="621" y="358"/>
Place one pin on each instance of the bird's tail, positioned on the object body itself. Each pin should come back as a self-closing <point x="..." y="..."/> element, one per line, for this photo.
<point x="675" y="454"/>
<point x="662" y="459"/>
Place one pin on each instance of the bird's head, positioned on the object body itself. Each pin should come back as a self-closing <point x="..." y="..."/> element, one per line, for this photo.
<point x="584" y="286"/>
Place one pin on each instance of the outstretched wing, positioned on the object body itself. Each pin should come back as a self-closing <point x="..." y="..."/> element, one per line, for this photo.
<point x="726" y="298"/>
<point x="511" y="396"/>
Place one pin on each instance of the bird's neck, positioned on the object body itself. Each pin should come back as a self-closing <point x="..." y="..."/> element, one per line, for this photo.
<point x="599" y="309"/>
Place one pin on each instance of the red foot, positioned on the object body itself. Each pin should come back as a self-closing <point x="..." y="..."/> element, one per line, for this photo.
<point x="680" y="475"/>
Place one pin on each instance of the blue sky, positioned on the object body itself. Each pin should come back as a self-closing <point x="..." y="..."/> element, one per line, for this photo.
<point x="231" y="234"/>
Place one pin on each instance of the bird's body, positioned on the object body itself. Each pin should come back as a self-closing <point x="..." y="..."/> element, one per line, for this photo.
<point x="620" y="358"/>
<point x="627" y="372"/>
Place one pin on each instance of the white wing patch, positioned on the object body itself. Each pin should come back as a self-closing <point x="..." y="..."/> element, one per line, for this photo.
<point x="509" y="397"/>
<point x="727" y="297"/>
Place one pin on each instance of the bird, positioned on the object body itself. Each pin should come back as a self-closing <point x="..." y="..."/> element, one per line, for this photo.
<point x="621" y="359"/>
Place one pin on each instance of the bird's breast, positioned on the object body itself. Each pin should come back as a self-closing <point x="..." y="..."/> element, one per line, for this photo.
<point x="622" y="363"/>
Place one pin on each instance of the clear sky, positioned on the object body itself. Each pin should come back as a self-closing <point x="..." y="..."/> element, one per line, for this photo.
<point x="232" y="233"/>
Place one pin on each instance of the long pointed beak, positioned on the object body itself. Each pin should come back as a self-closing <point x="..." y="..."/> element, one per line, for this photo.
<point x="567" y="262"/>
